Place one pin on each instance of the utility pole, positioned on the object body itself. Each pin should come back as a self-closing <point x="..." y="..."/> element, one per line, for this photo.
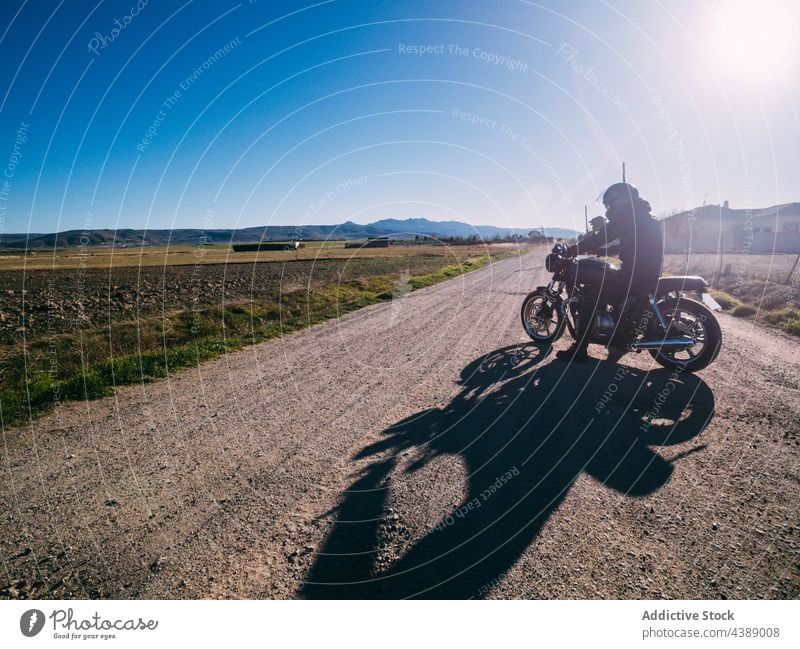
<point x="623" y="172"/>
<point x="791" y="272"/>
<point x="586" y="217"/>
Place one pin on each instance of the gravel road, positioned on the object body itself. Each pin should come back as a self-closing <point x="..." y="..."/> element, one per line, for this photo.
<point x="418" y="448"/>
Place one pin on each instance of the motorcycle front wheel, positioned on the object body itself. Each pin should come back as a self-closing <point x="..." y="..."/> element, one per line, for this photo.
<point x="542" y="317"/>
<point x="689" y="318"/>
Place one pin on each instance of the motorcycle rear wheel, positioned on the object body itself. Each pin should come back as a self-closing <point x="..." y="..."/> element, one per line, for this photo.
<point x="689" y="317"/>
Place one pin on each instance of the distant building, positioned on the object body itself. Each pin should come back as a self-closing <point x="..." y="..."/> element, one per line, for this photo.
<point x="712" y="228"/>
<point x="371" y="242"/>
<point x="377" y="242"/>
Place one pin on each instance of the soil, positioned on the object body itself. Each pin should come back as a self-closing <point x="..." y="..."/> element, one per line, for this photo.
<point x="419" y="448"/>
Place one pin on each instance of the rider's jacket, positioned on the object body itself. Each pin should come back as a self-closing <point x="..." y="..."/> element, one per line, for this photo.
<point x="641" y="241"/>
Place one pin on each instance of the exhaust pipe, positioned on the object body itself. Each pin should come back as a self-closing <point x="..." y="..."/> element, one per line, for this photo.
<point x="681" y="341"/>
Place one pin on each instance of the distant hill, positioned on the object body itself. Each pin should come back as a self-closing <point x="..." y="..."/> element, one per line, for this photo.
<point x="128" y="237"/>
<point x="459" y="229"/>
<point x="408" y="228"/>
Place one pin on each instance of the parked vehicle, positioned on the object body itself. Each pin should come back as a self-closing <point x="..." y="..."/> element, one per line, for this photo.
<point x="678" y="331"/>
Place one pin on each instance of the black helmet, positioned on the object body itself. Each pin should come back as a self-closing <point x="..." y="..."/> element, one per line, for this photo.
<point x="598" y="222"/>
<point x="619" y="192"/>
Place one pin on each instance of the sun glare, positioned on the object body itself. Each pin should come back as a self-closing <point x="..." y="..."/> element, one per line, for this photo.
<point x="755" y="39"/>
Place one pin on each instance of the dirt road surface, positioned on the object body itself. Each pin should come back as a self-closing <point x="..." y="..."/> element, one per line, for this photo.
<point x="418" y="448"/>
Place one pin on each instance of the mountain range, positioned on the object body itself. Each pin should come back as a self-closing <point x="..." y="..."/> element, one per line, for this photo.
<point x="394" y="228"/>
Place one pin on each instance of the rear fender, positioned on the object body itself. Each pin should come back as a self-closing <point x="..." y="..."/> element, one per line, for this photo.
<point x="681" y="284"/>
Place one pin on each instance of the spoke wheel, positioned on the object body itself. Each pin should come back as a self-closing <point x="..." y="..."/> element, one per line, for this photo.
<point x="541" y="317"/>
<point x="689" y="318"/>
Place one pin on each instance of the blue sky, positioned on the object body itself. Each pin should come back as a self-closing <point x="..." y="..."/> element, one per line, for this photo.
<point x="215" y="114"/>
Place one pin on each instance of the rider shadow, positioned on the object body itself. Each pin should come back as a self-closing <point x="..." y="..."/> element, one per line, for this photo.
<point x="525" y="432"/>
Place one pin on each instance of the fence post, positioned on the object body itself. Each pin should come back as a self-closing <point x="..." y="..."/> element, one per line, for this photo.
<point x="791" y="272"/>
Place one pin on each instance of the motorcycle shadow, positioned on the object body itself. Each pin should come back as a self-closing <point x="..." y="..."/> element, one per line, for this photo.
<point x="525" y="430"/>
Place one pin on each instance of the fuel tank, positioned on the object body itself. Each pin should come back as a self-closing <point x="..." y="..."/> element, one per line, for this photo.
<point x="590" y="270"/>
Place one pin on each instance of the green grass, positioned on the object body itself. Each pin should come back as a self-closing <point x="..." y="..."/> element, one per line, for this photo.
<point x="91" y="362"/>
<point x="448" y="272"/>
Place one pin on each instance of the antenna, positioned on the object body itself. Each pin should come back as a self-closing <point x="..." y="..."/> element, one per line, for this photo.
<point x="623" y="172"/>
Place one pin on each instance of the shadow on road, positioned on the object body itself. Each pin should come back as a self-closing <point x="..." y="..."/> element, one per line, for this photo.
<point x="526" y="430"/>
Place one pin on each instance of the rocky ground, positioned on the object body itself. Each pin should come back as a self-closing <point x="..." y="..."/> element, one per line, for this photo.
<point x="418" y="447"/>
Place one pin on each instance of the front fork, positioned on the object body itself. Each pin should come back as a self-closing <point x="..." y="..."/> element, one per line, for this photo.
<point x="553" y="291"/>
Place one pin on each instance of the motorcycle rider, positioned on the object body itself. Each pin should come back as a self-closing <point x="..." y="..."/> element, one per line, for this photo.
<point x="641" y="250"/>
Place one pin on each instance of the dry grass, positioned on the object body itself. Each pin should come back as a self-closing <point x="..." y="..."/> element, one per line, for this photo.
<point x="748" y="285"/>
<point x="772" y="268"/>
<point x="189" y="255"/>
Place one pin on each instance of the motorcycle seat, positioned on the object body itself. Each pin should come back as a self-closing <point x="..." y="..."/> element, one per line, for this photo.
<point x="679" y="283"/>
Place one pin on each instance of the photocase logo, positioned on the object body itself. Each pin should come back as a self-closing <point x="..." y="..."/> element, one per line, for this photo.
<point x="31" y="622"/>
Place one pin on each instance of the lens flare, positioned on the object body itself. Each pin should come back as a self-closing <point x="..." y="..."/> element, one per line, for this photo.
<point x="755" y="39"/>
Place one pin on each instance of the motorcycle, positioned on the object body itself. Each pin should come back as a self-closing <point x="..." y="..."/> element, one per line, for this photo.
<point x="679" y="332"/>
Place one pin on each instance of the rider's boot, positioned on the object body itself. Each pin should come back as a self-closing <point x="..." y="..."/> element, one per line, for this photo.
<point x="576" y="353"/>
<point x="623" y="336"/>
<point x="626" y="330"/>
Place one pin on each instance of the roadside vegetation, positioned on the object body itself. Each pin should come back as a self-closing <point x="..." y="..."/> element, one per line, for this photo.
<point x="133" y="327"/>
<point x="750" y="286"/>
<point x="785" y="316"/>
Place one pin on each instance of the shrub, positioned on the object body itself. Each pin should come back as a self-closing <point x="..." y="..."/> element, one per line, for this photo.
<point x="792" y="327"/>
<point x="776" y="297"/>
<point x="726" y="300"/>
<point x="744" y="310"/>
<point x="780" y="316"/>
